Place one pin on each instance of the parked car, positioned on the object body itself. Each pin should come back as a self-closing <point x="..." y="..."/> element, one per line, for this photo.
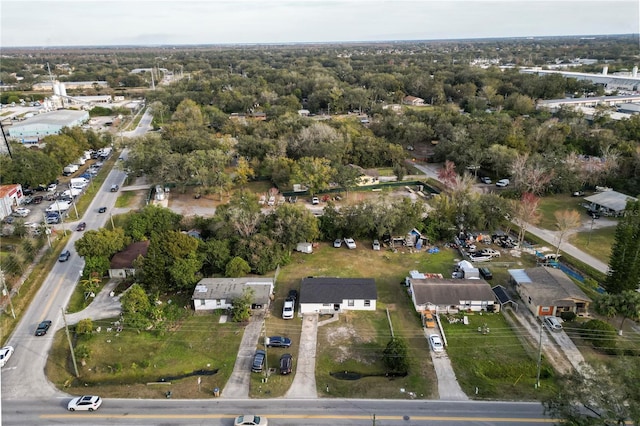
<point x="351" y="244"/>
<point x="287" y="310"/>
<point x="578" y="194"/>
<point x="485" y="179"/>
<point x="5" y="354"/>
<point x="286" y="361"/>
<point x="436" y="343"/>
<point x="552" y="323"/>
<point x="43" y="327"/>
<point x="479" y="257"/>
<point x="485" y="273"/>
<point x="277" y="342"/>
<point x="292" y="295"/>
<point x="86" y="403"/>
<point x="594" y="214"/>
<point x="502" y="183"/>
<point x="52" y="187"/>
<point x="21" y="212"/>
<point x="64" y="256"/>
<point x="376" y="245"/>
<point x="490" y="252"/>
<point x="337" y="243"/>
<point x="293" y="199"/>
<point x="315" y="200"/>
<point x="258" y="361"/>
<point x="102" y="209"/>
<point x="250" y="420"/>
<point x="38" y="199"/>
<point x="81" y="226"/>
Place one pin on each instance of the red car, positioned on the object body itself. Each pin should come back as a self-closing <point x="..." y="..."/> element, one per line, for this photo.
<point x="81" y="226"/>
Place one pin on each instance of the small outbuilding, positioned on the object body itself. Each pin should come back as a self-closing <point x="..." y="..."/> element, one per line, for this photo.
<point x="305" y="248"/>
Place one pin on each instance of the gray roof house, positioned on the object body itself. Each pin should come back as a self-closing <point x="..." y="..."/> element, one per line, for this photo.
<point x="610" y="202"/>
<point x="452" y="295"/>
<point x="549" y="291"/>
<point x="327" y="295"/>
<point x="219" y="293"/>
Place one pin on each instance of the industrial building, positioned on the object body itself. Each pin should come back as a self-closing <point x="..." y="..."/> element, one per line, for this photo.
<point x="630" y="82"/>
<point x="37" y="127"/>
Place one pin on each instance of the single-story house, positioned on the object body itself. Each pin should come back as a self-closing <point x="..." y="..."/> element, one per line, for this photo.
<point x="327" y="295"/>
<point x="122" y="263"/>
<point x="609" y="202"/>
<point x="549" y="291"/>
<point x="412" y="100"/>
<point x="452" y="295"/>
<point x="219" y="293"/>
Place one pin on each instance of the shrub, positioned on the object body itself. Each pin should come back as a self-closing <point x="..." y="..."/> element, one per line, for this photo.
<point x="602" y="335"/>
<point x="568" y="316"/>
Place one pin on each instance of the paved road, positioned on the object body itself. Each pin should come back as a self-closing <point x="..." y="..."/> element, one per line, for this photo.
<point x="280" y="412"/>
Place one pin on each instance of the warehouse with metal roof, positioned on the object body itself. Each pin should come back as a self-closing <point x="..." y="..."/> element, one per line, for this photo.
<point x="48" y="123"/>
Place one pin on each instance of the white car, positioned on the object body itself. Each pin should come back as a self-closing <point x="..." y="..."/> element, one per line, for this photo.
<point x="376" y="245"/>
<point x="287" y="310"/>
<point x="351" y="244"/>
<point x="5" y="354"/>
<point x="490" y="252"/>
<point x="21" y="212"/>
<point x="250" y="420"/>
<point x="86" y="403"/>
<point x="436" y="343"/>
<point x="502" y="183"/>
<point x="315" y="201"/>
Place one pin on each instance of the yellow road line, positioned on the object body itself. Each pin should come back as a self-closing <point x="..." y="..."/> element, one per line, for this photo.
<point x="293" y="416"/>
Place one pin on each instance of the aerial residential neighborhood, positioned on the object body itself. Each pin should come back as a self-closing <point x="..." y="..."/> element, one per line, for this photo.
<point x="278" y="229"/>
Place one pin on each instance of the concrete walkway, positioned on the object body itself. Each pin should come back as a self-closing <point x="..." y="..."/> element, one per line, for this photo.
<point x="448" y="387"/>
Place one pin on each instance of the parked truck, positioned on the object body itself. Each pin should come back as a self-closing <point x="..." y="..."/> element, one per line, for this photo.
<point x="79" y="182"/>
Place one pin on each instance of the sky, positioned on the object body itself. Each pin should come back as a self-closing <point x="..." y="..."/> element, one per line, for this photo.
<point x="182" y="22"/>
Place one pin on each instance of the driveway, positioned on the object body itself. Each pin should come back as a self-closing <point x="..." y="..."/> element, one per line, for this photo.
<point x="304" y="382"/>
<point x="239" y="381"/>
<point x="448" y="387"/>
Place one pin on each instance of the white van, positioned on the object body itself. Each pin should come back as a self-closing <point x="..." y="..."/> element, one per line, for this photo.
<point x="552" y="323"/>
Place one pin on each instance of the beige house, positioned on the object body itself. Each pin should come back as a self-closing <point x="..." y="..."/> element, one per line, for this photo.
<point x="549" y="291"/>
<point x="413" y="101"/>
<point x="219" y="293"/>
<point x="452" y="295"/>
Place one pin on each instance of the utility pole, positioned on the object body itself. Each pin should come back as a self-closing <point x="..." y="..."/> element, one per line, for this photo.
<point x="73" y="355"/>
<point x="539" y="358"/>
<point x="4" y="288"/>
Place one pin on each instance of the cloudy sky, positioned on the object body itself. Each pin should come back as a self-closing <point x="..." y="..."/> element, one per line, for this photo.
<point x="151" y="22"/>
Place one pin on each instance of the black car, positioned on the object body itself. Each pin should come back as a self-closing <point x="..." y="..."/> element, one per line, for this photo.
<point x="258" y="361"/>
<point x="43" y="327"/>
<point x="286" y="361"/>
<point x="594" y="214"/>
<point x="277" y="342"/>
<point x="64" y="256"/>
<point x="81" y="226"/>
<point x="485" y="273"/>
<point x="293" y="295"/>
<point x="102" y="209"/>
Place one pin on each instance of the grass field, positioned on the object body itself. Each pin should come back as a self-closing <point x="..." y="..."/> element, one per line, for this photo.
<point x="496" y="363"/>
<point x="553" y="203"/>
<point x="134" y="364"/>
<point x="597" y="243"/>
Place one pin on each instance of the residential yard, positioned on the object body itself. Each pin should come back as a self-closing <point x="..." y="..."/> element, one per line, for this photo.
<point x="597" y="243"/>
<point x="553" y="203"/>
<point x="493" y="360"/>
<point x="131" y="363"/>
<point x="135" y="363"/>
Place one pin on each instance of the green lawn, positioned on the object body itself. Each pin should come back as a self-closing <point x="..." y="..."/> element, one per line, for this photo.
<point x="129" y="364"/>
<point x="597" y="243"/>
<point x="126" y="198"/>
<point x="553" y="203"/>
<point x="496" y="363"/>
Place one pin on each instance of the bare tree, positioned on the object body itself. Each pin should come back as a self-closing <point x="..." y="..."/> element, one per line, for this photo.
<point x="566" y="220"/>
<point x="526" y="213"/>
